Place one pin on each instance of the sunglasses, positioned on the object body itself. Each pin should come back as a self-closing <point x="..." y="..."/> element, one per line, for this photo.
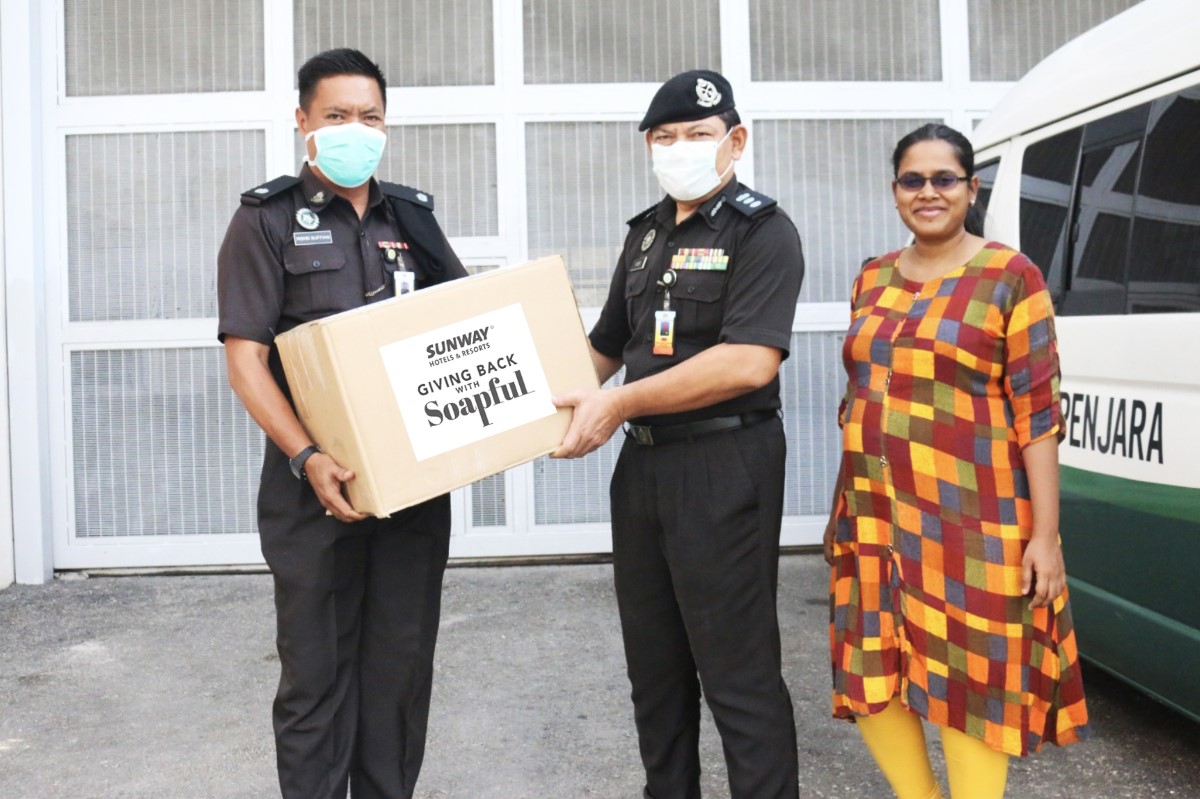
<point x="910" y="181"/>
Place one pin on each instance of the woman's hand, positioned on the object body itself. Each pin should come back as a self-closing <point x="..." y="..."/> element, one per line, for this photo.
<point x="1043" y="570"/>
<point x="827" y="541"/>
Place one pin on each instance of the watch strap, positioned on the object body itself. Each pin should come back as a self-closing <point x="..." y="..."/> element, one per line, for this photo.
<point x="297" y="463"/>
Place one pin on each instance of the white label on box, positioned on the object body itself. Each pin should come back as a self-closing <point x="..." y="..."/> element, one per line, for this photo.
<point x="468" y="381"/>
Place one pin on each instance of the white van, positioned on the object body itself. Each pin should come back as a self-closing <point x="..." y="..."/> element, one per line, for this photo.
<point x="1091" y="166"/>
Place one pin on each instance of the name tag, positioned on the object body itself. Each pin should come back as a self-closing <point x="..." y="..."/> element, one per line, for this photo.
<point x="303" y="238"/>
<point x="700" y="259"/>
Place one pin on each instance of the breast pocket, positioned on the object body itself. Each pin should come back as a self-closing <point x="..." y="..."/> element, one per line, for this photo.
<point x="636" y="296"/>
<point x="699" y="300"/>
<point x="314" y="276"/>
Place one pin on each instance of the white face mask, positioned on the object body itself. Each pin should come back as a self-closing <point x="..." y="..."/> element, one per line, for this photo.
<point x="687" y="170"/>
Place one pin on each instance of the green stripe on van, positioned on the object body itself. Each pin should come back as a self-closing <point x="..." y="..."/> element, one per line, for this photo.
<point x="1172" y="502"/>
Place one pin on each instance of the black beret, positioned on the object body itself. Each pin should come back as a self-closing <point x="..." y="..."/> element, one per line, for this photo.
<point x="695" y="94"/>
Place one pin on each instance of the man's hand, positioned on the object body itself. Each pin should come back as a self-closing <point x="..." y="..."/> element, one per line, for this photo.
<point x="597" y="416"/>
<point x="326" y="477"/>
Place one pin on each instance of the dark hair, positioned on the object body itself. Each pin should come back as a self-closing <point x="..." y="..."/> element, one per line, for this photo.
<point x="963" y="152"/>
<point x="731" y="118"/>
<point x="342" y="61"/>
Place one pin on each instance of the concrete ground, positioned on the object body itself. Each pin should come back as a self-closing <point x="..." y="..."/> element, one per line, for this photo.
<point x="150" y="687"/>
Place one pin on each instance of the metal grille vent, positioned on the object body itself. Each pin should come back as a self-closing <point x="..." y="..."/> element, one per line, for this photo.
<point x="146" y="213"/>
<point x="123" y="47"/>
<point x="161" y="446"/>
<point x="620" y="41"/>
<point x="833" y="177"/>
<point x="454" y="163"/>
<point x="812" y="383"/>
<point x="576" y="491"/>
<point x="489" y="507"/>
<point x="416" y="43"/>
<point x="584" y="179"/>
<point x="850" y="40"/>
<point x="1009" y="37"/>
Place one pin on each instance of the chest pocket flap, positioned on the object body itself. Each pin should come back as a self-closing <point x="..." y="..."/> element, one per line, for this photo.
<point x="312" y="259"/>
<point x="698" y="285"/>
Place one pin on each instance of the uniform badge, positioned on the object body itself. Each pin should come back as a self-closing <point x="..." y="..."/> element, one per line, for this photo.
<point x="648" y="239"/>
<point x="706" y="93"/>
<point x="317" y="198"/>
<point x="308" y="219"/>
<point x="391" y="250"/>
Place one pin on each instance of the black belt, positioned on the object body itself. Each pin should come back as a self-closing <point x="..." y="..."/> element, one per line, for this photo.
<point x="652" y="435"/>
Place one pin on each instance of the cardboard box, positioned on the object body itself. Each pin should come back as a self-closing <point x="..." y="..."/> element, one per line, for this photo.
<point x="434" y="390"/>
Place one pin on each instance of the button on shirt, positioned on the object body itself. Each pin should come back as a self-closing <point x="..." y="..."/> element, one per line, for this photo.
<point x="751" y="301"/>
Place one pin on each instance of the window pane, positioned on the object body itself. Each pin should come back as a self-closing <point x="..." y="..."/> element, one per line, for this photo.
<point x="845" y="40"/>
<point x="1164" y="264"/>
<point x="1008" y="37"/>
<point x="619" y="41"/>
<point x="123" y="47"/>
<point x="161" y="446"/>
<point x="1103" y="222"/>
<point x="416" y="43"/>
<point x="987" y="181"/>
<point x="1047" y="173"/>
<point x="833" y="177"/>
<point x="584" y="179"/>
<point x="146" y="213"/>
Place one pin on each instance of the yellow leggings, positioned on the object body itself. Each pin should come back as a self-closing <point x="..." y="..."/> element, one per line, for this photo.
<point x="897" y="741"/>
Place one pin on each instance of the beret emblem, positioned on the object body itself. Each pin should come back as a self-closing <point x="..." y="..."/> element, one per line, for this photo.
<point x="706" y="93"/>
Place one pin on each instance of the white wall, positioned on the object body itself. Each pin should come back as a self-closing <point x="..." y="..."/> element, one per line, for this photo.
<point x="25" y="540"/>
<point x="6" y="526"/>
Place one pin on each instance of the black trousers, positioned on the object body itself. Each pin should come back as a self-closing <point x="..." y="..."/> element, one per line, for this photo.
<point x="357" y="609"/>
<point x="696" y="562"/>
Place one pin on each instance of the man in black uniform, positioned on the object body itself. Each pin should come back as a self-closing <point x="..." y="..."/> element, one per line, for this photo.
<point x="357" y="599"/>
<point x="700" y="314"/>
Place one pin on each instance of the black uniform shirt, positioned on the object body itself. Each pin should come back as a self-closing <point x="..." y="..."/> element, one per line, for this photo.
<point x="752" y="301"/>
<point x="274" y="273"/>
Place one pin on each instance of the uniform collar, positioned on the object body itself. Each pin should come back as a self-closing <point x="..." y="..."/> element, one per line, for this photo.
<point x="318" y="195"/>
<point x="710" y="211"/>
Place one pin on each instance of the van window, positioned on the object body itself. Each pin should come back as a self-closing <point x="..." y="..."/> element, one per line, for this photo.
<point x="1164" y="263"/>
<point x="1101" y="230"/>
<point x="1047" y="172"/>
<point x="1103" y="217"/>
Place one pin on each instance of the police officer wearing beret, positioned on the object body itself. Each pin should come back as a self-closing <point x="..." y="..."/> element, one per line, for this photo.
<point x="700" y="315"/>
<point x="357" y="599"/>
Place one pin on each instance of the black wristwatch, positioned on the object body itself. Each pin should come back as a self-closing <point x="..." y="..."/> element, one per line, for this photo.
<point x="297" y="463"/>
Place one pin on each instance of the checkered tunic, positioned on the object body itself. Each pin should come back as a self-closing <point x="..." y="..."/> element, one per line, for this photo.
<point x="949" y="380"/>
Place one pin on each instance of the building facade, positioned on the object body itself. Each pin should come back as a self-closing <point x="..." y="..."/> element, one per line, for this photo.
<point x="129" y="130"/>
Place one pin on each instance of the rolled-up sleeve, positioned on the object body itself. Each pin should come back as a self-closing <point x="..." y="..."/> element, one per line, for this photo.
<point x="1031" y="378"/>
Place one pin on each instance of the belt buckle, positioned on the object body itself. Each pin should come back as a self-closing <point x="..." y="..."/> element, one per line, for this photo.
<point x="642" y="434"/>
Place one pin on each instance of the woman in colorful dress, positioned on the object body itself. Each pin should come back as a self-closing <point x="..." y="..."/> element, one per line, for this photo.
<point x="948" y="589"/>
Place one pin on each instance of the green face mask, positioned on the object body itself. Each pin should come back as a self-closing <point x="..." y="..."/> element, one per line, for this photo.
<point x="348" y="154"/>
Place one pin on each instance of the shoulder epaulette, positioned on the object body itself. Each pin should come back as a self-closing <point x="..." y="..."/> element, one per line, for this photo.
<point x="751" y="203"/>
<point x="260" y="194"/>
<point x="408" y="194"/>
<point x="643" y="215"/>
